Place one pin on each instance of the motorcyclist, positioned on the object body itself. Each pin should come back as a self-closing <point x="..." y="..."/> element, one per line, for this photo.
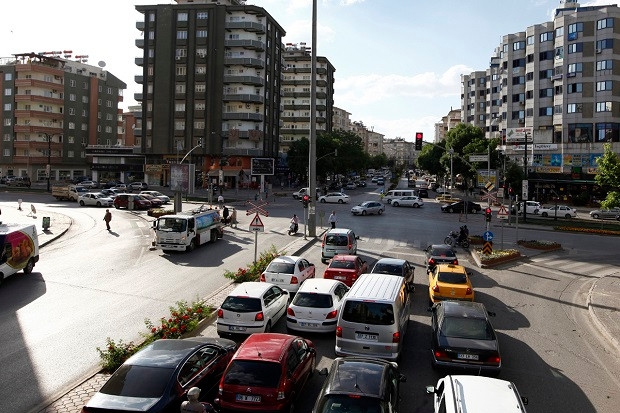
<point x="192" y="405"/>
<point x="295" y="222"/>
<point x="463" y="234"/>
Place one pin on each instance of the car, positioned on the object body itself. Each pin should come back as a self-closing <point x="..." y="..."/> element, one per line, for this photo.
<point x="337" y="197"/>
<point x="23" y="181"/>
<point x="360" y="384"/>
<point x="130" y="201"/>
<point x="463" y="338"/>
<point x="301" y="193"/>
<point x="155" y="201"/>
<point x="561" y="211"/>
<point x="157" y="378"/>
<point x="164" y="198"/>
<point x="532" y="207"/>
<point x="380" y="182"/>
<point x="90" y="184"/>
<point x="350" y="185"/>
<point x="252" y="307"/>
<point x="120" y="187"/>
<point x="442" y="190"/>
<point x="410" y="201"/>
<point x="374" y="179"/>
<point x="110" y="193"/>
<point x="345" y="268"/>
<point x="458" y="206"/>
<point x="361" y="184"/>
<point x="315" y="307"/>
<point x="338" y="241"/>
<point x="267" y="373"/>
<point x="395" y="266"/>
<point x="449" y="282"/>
<point x="368" y="207"/>
<point x="439" y="254"/>
<point x="138" y="186"/>
<point x="605" y="213"/>
<point x="95" y="199"/>
<point x="288" y="272"/>
<point x="422" y="192"/>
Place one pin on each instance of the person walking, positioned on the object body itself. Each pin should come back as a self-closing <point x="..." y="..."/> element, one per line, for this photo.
<point x="220" y="199"/>
<point x="332" y="219"/>
<point x="107" y="218"/>
<point x="225" y="214"/>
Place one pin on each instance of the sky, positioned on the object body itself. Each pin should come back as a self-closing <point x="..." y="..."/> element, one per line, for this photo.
<point x="398" y="63"/>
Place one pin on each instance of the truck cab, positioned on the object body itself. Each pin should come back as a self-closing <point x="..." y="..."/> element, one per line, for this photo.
<point x="19" y="249"/>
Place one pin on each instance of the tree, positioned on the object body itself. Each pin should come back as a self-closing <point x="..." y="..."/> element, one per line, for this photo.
<point x="429" y="157"/>
<point x="608" y="176"/>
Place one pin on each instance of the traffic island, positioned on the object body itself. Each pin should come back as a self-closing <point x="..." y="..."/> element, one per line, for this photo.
<point x="496" y="257"/>
<point x="540" y="245"/>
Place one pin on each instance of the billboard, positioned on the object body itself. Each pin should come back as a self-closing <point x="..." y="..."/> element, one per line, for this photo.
<point x="518" y="134"/>
<point x="182" y="177"/>
<point x="263" y="166"/>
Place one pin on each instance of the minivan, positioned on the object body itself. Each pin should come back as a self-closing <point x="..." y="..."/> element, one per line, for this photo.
<point x="373" y="317"/>
<point x="338" y="241"/>
<point x="399" y="193"/>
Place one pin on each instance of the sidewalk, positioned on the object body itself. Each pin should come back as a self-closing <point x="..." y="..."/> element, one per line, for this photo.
<point x="59" y="223"/>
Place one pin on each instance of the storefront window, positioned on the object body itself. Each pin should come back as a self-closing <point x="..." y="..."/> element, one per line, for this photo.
<point x="579" y="133"/>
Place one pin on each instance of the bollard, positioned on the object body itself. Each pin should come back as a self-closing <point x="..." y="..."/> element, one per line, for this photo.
<point x="19" y="204"/>
<point x="46" y="223"/>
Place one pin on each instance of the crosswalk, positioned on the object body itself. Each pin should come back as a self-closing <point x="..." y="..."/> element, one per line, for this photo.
<point x="600" y="265"/>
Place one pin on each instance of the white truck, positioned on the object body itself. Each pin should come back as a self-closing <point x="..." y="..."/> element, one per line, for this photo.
<point x="185" y="231"/>
<point x="19" y="245"/>
<point x="68" y="192"/>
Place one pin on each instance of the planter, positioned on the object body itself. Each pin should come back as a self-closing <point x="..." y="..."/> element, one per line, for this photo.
<point x="540" y="245"/>
<point x="498" y="257"/>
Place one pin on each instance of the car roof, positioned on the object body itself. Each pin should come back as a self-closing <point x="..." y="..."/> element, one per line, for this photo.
<point x="441" y="247"/>
<point x="391" y="261"/>
<point x="264" y="346"/>
<point x="467" y="309"/>
<point x="338" y="231"/>
<point x="251" y="289"/>
<point x="344" y="257"/>
<point x="451" y="268"/>
<point x="484" y="394"/>
<point x="357" y="375"/>
<point x="169" y="352"/>
<point x="287" y="258"/>
<point x="318" y="285"/>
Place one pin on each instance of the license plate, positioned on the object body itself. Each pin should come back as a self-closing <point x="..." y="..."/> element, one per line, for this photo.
<point x="340" y="278"/>
<point x="278" y="280"/>
<point x="247" y="398"/>
<point x="236" y="328"/>
<point x="366" y="337"/>
<point x="301" y="324"/>
<point x="467" y="356"/>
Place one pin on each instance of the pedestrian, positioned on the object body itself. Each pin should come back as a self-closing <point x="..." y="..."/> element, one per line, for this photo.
<point x="233" y="218"/>
<point x="332" y="219"/>
<point x="225" y="214"/>
<point x="192" y="405"/>
<point x="107" y="218"/>
<point x="220" y="199"/>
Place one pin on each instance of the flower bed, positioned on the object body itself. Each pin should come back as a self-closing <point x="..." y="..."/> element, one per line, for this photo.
<point x="253" y="271"/>
<point x="540" y="245"/>
<point x="497" y="256"/>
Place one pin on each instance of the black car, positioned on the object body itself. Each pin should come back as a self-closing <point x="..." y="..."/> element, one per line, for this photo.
<point x="439" y="254"/>
<point x="358" y="384"/>
<point x="457" y="206"/>
<point x="422" y="193"/>
<point x="395" y="266"/>
<point x="463" y="337"/>
<point x="361" y="184"/>
<point x="157" y="378"/>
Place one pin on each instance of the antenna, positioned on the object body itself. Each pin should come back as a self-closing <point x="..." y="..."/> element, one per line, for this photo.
<point x="101" y="63"/>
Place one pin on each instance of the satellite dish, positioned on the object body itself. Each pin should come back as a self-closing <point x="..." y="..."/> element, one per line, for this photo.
<point x="101" y="63"/>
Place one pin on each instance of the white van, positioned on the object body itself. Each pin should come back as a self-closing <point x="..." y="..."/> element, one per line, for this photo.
<point x="19" y="249"/>
<point x="399" y="193"/>
<point x="373" y="318"/>
<point x="464" y="393"/>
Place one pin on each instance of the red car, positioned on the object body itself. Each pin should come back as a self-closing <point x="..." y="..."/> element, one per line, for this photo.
<point x="267" y="373"/>
<point x="346" y="268"/>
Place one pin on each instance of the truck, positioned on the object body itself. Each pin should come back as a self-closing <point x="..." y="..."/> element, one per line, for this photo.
<point x="68" y="192"/>
<point x="19" y="245"/>
<point x="185" y="231"/>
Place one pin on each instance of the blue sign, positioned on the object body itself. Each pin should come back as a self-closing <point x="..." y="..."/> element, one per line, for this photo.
<point x="487" y="236"/>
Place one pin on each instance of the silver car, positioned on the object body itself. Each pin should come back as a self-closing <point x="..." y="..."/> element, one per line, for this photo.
<point x="610" y="213"/>
<point x="410" y="201"/>
<point x="368" y="207"/>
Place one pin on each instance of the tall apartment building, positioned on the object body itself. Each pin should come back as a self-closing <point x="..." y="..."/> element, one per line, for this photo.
<point x="400" y="150"/>
<point x="559" y="82"/>
<point x="55" y="110"/>
<point x="297" y="79"/>
<point x="448" y="122"/>
<point x="341" y="119"/>
<point x="211" y="78"/>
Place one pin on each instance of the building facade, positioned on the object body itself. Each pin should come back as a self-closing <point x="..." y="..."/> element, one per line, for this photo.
<point x="400" y="150"/>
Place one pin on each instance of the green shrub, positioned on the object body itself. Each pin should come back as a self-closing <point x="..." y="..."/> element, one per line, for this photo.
<point x="254" y="270"/>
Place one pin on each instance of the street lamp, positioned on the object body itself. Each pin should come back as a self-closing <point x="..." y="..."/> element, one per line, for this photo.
<point x="451" y="152"/>
<point x="524" y="193"/>
<point x="48" y="169"/>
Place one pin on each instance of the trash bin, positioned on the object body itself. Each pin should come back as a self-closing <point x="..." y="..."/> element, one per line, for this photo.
<point x="46" y="223"/>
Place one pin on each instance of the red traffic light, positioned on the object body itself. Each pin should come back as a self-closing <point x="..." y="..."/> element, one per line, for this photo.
<point x="487" y="211"/>
<point x="306" y="198"/>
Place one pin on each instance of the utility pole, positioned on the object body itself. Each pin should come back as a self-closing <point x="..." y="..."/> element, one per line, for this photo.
<point x="524" y="195"/>
<point x="48" y="169"/>
<point x="312" y="149"/>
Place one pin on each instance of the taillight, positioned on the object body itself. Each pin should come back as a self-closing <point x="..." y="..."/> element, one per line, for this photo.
<point x="323" y="242"/>
<point x="262" y="277"/>
<point x="332" y="314"/>
<point x="440" y="354"/>
<point x="495" y="359"/>
<point x="456" y="261"/>
<point x="220" y="313"/>
<point x="290" y="312"/>
<point x="431" y="262"/>
<point x="294" y="280"/>
<point x="468" y="291"/>
<point x="436" y="288"/>
<point x="338" y="331"/>
<point x="259" y="316"/>
<point x="396" y="337"/>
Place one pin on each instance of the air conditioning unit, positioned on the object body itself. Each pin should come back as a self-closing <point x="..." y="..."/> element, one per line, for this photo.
<point x="522" y="103"/>
<point x="599" y="50"/>
<point x="521" y="120"/>
<point x="178" y="57"/>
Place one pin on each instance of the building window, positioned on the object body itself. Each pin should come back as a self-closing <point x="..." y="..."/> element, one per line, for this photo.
<point x="201" y="69"/>
<point x="546" y="37"/>
<point x="201" y="52"/>
<point x="575" y="28"/>
<point x="200" y="88"/>
<point x="607" y="132"/>
<point x="574" y="68"/>
<point x="182" y="17"/>
<point x="181" y="70"/>
<point x="84" y="99"/>
<point x="179" y="125"/>
<point x="518" y="80"/>
<point x="199" y="124"/>
<point x="530" y="40"/>
<point x="605" y="44"/>
<point x="575" y="48"/>
<point x="604" y="85"/>
<point x="518" y="62"/>
<point x="71" y="139"/>
<point x="8" y="76"/>
<point x="604" y="23"/>
<point x="603" y="106"/>
<point x="71" y="111"/>
<point x="70" y="154"/>
<point x="202" y="15"/>
<point x="71" y="125"/>
<point x="84" y="127"/>
<point x="108" y="129"/>
<point x="7" y="152"/>
<point x="72" y="83"/>
<point x="8" y="106"/>
<point x="604" y="65"/>
<point x="201" y="34"/>
<point x="84" y="113"/>
<point x="520" y="45"/>
<point x="546" y="74"/>
<point x="573" y="108"/>
<point x="179" y="107"/>
<point x="574" y="88"/>
<point x="546" y="93"/>
<point x="579" y="132"/>
<point x="548" y="111"/>
<point x="199" y="106"/>
<point x="7" y="122"/>
<point x="559" y="32"/>
<point x="181" y="34"/>
<point x="8" y="91"/>
<point x="179" y="88"/>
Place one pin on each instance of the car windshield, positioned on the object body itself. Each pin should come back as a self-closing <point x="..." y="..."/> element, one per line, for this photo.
<point x="368" y="312"/>
<point x="388" y="269"/>
<point x="443" y="252"/>
<point x="452" y="277"/>
<point x="352" y="403"/>
<point x="313" y="300"/>
<point x="472" y="328"/>
<point x="281" y="267"/>
<point x="138" y="381"/>
<point x="338" y="240"/>
<point x="172" y="224"/>
<point x="253" y="373"/>
<point x="242" y="304"/>
<point x="342" y="264"/>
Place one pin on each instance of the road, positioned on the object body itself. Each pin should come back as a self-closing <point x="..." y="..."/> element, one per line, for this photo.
<point x="91" y="284"/>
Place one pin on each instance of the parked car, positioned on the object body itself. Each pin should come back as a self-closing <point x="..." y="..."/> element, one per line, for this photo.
<point x="410" y="201"/>
<point x="155" y="201"/>
<point x="459" y="206"/>
<point x="252" y="307"/>
<point x="361" y="184"/>
<point x="315" y="306"/>
<point x="395" y="266"/>
<point x="95" y="199"/>
<point x="380" y="182"/>
<point x="439" y="254"/>
<point x="23" y="181"/>
<point x="164" y="198"/>
<point x="449" y="282"/>
<point x="350" y="186"/>
<point x="561" y="211"/>
<point x="288" y="272"/>
<point x="110" y="193"/>
<point x="463" y="337"/>
<point x="138" y="186"/>
<point x="610" y="213"/>
<point x="368" y="207"/>
<point x="533" y="207"/>
<point x="267" y="373"/>
<point x="360" y="384"/>
<point x="124" y="200"/>
<point x="374" y="179"/>
<point x="335" y="197"/>
<point x="120" y="187"/>
<point x="90" y="184"/>
<point x="157" y="378"/>
<point x="345" y="268"/>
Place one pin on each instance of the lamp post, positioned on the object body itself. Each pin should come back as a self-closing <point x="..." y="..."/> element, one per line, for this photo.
<point x="524" y="191"/>
<point x="48" y="169"/>
<point x="312" y="149"/>
<point x="451" y="151"/>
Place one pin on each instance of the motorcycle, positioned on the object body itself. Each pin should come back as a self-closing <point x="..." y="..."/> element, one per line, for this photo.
<point x="453" y="239"/>
<point x="293" y="228"/>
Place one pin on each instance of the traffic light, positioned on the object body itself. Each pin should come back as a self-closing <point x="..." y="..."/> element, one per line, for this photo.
<point x="418" y="141"/>
<point x="487" y="214"/>
<point x="305" y="200"/>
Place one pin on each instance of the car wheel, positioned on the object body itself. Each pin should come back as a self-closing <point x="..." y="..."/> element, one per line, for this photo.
<point x="416" y="205"/>
<point x="323" y="200"/>
<point x="98" y="203"/>
<point x="568" y="216"/>
<point x="395" y="203"/>
<point x="116" y="206"/>
<point x="82" y="203"/>
<point x="340" y="201"/>
<point x="449" y="210"/>
<point x="595" y="216"/>
<point x="544" y="214"/>
<point x="363" y="212"/>
<point x="191" y="246"/>
<point x="28" y="268"/>
<point x="380" y="212"/>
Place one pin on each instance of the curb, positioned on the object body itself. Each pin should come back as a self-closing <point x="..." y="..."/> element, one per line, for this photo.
<point x="597" y="323"/>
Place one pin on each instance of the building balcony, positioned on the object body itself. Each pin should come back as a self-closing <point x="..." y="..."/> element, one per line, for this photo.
<point x="297" y="94"/>
<point x="139" y="61"/>
<point x="40" y="145"/>
<point x="246" y="98"/>
<point x="321" y="95"/>
<point x="139" y="79"/>
<point x="140" y="43"/>
<point x="55" y="160"/>
<point x="245" y="80"/>
<point x="246" y="62"/>
<point x="58" y="87"/>
<point x="140" y="25"/>
<point x="247" y="26"/>
<point x="321" y="71"/>
<point x="295" y="131"/>
<point x="234" y="151"/>
<point x="38" y="114"/>
<point x="138" y="97"/>
<point x="37" y="129"/>
<point x="291" y="69"/>
<point x="39" y="99"/>
<point x="255" y="117"/>
<point x="297" y="107"/>
<point x="246" y="44"/>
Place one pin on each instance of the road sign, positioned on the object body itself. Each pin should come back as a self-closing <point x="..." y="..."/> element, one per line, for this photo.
<point x="489" y="186"/>
<point x="487" y="248"/>
<point x="525" y="187"/>
<point x="257" y="208"/>
<point x="487" y="236"/>
<point x="478" y="158"/>
<point x="257" y="224"/>
<point x="502" y="213"/>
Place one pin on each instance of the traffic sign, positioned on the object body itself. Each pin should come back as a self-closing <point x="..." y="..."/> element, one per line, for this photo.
<point x="478" y="158"/>
<point x="257" y="224"/>
<point x="487" y="248"/>
<point x="257" y="208"/>
<point x="502" y="213"/>
<point x="487" y="236"/>
<point x="489" y="186"/>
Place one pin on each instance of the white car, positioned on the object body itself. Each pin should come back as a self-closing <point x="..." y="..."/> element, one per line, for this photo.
<point x="316" y="305"/>
<point x="338" y="197"/>
<point x="164" y="198"/>
<point x="252" y="307"/>
<point x="95" y="199"/>
<point x="410" y="201"/>
<point x="368" y="207"/>
<point x="288" y="272"/>
<point x="561" y="211"/>
<point x="533" y="207"/>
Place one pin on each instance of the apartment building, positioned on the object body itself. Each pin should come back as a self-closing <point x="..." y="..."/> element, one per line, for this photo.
<point x="55" y="107"/>
<point x="555" y="84"/>
<point x="211" y="75"/>
<point x="400" y="150"/>
<point x="448" y="122"/>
